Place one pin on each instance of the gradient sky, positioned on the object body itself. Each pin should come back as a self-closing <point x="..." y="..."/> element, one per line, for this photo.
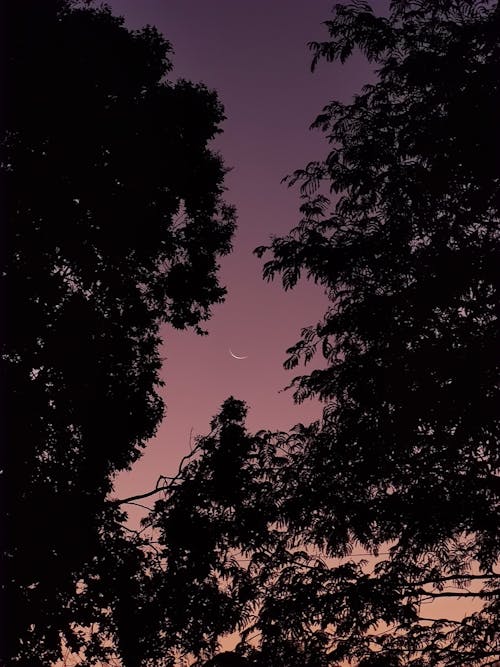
<point x="254" y="54"/>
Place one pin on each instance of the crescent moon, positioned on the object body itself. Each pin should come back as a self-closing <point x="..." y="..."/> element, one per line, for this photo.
<point x="235" y="356"/>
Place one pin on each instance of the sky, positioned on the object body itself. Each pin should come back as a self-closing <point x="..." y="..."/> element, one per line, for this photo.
<point x="254" y="54"/>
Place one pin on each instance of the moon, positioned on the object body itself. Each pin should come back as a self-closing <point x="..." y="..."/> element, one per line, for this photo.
<point x="235" y="356"/>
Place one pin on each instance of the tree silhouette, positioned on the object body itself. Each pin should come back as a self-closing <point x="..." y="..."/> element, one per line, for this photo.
<point x="320" y="545"/>
<point x="249" y="545"/>
<point x="114" y="223"/>
<point x="408" y="450"/>
<point x="337" y="535"/>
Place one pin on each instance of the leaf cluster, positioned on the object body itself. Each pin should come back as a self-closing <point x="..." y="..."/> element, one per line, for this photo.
<point x="271" y="535"/>
<point x="113" y="223"/>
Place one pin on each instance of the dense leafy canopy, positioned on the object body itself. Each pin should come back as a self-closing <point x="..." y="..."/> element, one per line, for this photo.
<point x="247" y="546"/>
<point x="403" y="467"/>
<point x="114" y="223"/>
<point x="318" y="546"/>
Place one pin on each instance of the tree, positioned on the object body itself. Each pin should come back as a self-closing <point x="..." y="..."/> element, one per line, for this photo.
<point x="114" y="225"/>
<point x="402" y="471"/>
<point x="247" y="547"/>
<point x="407" y="454"/>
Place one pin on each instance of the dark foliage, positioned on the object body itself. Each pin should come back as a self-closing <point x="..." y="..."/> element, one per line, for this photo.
<point x="407" y="455"/>
<point x="325" y="544"/>
<point x="262" y="534"/>
<point x="113" y="224"/>
<point x="341" y="538"/>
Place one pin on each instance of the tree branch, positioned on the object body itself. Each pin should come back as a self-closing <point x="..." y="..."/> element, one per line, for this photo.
<point x="140" y="496"/>
<point x="466" y="594"/>
<point x="456" y="577"/>
<point x="165" y="487"/>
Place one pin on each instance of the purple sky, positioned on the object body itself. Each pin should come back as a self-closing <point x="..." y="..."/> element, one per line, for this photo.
<point x="254" y="53"/>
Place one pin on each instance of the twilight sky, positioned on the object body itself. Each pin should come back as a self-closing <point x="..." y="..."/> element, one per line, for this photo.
<point x="254" y="54"/>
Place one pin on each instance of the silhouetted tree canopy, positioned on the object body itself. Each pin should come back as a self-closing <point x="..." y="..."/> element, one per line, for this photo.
<point x="114" y="225"/>
<point x="407" y="454"/>
<point x="324" y="544"/>
<point x="327" y="544"/>
<point x="246" y="546"/>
